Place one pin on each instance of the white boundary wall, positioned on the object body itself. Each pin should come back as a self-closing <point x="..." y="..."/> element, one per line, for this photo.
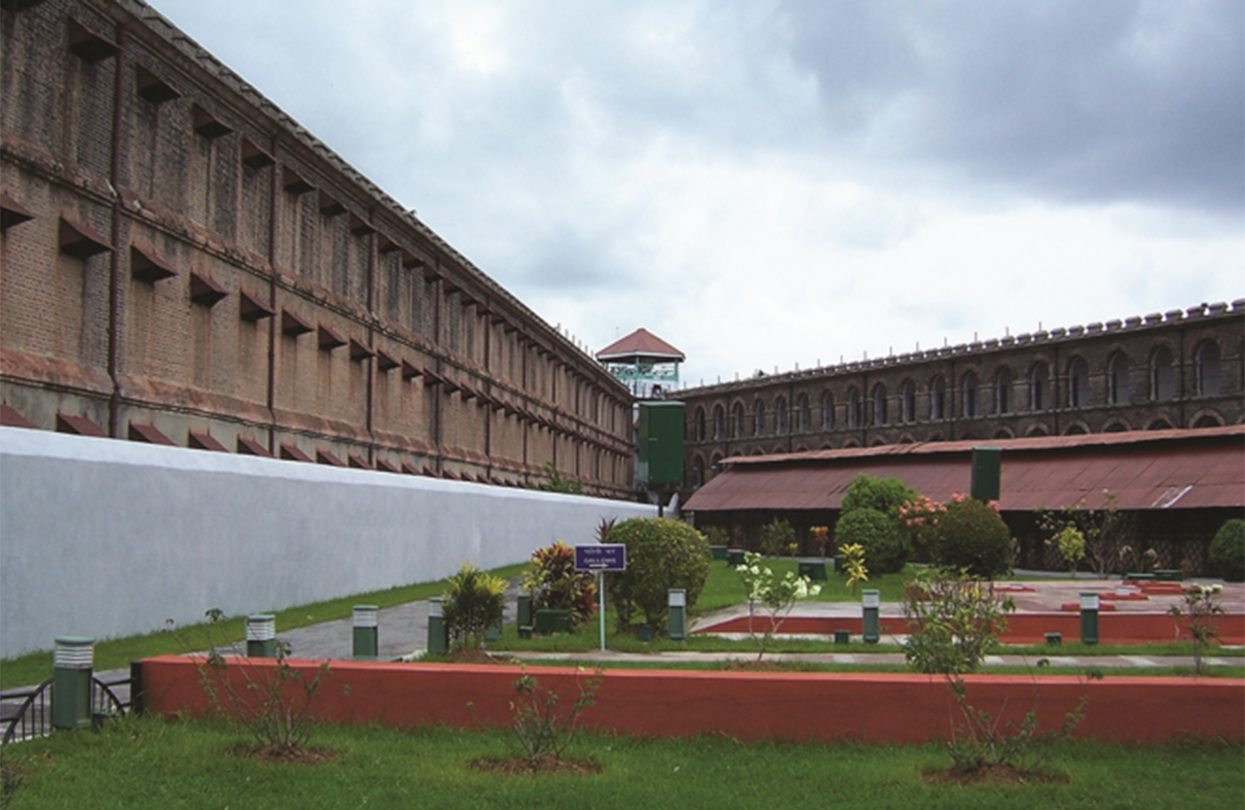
<point x="106" y="538"/>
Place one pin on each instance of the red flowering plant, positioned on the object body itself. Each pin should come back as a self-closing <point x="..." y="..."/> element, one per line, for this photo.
<point x="818" y="537"/>
<point x="556" y="585"/>
<point x="920" y="518"/>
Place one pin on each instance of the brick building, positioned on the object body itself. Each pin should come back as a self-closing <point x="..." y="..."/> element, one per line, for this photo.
<point x="183" y="263"/>
<point x="1179" y="369"/>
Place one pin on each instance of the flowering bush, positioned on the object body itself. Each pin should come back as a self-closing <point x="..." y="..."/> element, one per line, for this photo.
<point x="556" y="585"/>
<point x="818" y="537"/>
<point x="1203" y="604"/>
<point x="777" y="596"/>
<point x="920" y="517"/>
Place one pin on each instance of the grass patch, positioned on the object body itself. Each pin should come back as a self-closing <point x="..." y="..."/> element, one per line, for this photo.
<point x="149" y="763"/>
<point x="115" y="653"/>
<point x="724" y="587"/>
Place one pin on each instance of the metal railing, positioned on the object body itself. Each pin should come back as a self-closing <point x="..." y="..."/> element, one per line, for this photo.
<point x="26" y="714"/>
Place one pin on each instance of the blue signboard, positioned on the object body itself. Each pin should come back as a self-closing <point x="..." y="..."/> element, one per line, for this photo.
<point x="601" y="557"/>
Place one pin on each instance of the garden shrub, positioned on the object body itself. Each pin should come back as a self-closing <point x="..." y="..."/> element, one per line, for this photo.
<point x="1227" y="550"/>
<point x="885" y="495"/>
<point x="661" y="554"/>
<point x="971" y="536"/>
<point x="885" y="547"/>
<point x="777" y="537"/>
<point x="717" y="536"/>
<point x="556" y="585"/>
<point x="473" y="604"/>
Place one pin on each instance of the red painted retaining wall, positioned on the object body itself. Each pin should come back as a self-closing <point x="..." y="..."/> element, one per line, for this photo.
<point x="868" y="707"/>
<point x="1022" y="628"/>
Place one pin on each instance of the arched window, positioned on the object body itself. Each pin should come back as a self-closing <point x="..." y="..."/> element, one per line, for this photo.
<point x="1117" y="380"/>
<point x="938" y="398"/>
<point x="719" y="422"/>
<point x="758" y="418"/>
<point x="780" y="416"/>
<point x="1078" y="383"/>
<point x="804" y="416"/>
<point x="907" y="402"/>
<point x="698" y="471"/>
<point x="853" y="407"/>
<point x="968" y="395"/>
<point x="1162" y="378"/>
<point x="737" y="421"/>
<point x="1039" y="387"/>
<point x="827" y="411"/>
<point x="879" y="404"/>
<point x="1003" y="391"/>
<point x="700" y="425"/>
<point x="1206" y="378"/>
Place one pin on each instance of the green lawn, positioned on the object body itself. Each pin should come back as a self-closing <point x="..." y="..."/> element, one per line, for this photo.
<point x="114" y="653"/>
<point x="724" y="587"/>
<point x="150" y="763"/>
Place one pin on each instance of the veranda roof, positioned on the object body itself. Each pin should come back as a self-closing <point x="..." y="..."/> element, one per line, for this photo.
<point x="1169" y="469"/>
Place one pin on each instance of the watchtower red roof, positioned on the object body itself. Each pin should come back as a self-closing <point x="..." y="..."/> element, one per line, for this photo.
<point x="640" y="342"/>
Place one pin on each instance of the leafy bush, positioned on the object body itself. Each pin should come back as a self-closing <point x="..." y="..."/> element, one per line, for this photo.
<point x="886" y="550"/>
<point x="885" y="495"/>
<point x="971" y="536"/>
<point x="717" y="536"/>
<point x="1227" y="550"/>
<point x="661" y="554"/>
<point x="556" y="585"/>
<point x="473" y="604"/>
<point x="776" y="537"/>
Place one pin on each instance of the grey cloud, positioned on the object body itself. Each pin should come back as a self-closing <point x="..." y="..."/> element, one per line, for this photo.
<point x="1104" y="101"/>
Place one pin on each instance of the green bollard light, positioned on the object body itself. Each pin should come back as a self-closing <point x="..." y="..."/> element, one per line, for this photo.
<point x="523" y="616"/>
<point x="72" y="662"/>
<point x="366" y="632"/>
<point x="871" y="601"/>
<point x="676" y="601"/>
<point x="438" y="633"/>
<point x="1089" y="617"/>
<point x="261" y="635"/>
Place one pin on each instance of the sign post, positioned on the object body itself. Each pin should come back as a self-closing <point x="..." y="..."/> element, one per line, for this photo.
<point x="601" y="557"/>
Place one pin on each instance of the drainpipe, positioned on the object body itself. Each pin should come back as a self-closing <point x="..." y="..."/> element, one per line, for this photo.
<point x="369" y="379"/>
<point x="114" y="267"/>
<point x="436" y="332"/>
<point x="273" y="322"/>
<point x="488" y="410"/>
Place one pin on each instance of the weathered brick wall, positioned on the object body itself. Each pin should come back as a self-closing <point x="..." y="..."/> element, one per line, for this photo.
<point x="249" y="286"/>
<point x="715" y="432"/>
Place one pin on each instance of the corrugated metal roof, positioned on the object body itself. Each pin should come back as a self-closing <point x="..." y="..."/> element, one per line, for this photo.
<point x="1183" y="469"/>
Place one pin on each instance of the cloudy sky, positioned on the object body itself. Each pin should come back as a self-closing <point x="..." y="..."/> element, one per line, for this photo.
<point x="767" y="183"/>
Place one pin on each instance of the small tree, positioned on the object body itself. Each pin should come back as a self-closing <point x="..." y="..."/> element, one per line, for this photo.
<point x="475" y="602"/>
<point x="1071" y="545"/>
<point x="275" y="704"/>
<point x="543" y="730"/>
<point x="952" y="622"/>
<point x="1203" y="604"/>
<point x="854" y="565"/>
<point x="775" y="595"/>
<point x="1105" y="529"/>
